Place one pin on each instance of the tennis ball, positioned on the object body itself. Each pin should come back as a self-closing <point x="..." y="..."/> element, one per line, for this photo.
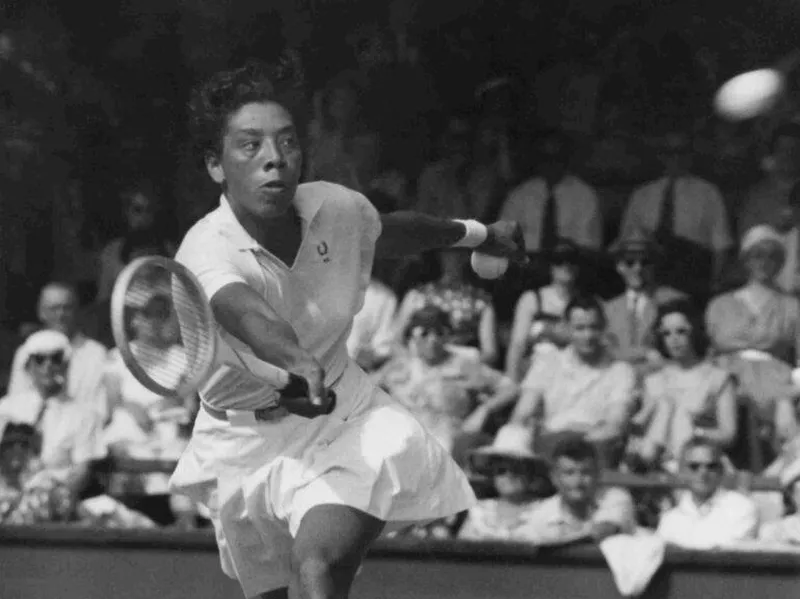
<point x="749" y="95"/>
<point x="488" y="267"/>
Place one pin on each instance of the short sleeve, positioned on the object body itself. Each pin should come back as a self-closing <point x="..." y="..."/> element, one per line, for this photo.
<point x="211" y="258"/>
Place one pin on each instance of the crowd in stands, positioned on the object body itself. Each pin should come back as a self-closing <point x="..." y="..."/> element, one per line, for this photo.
<point x="540" y="384"/>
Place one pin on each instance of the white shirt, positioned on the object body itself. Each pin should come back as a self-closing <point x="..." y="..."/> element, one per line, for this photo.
<point x="577" y="206"/>
<point x="372" y="326"/>
<point x="84" y="375"/>
<point x="318" y="294"/>
<point x="725" y="518"/>
<point x="71" y="433"/>
<point x="700" y="213"/>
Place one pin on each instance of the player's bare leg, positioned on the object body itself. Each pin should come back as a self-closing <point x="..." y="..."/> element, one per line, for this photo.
<point x="328" y="549"/>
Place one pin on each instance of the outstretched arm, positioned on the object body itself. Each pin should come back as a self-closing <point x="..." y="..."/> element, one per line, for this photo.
<point x="408" y="233"/>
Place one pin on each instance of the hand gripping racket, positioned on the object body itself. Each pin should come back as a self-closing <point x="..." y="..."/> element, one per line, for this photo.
<point x="167" y="336"/>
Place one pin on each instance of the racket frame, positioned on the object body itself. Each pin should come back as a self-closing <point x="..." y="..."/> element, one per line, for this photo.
<point x="119" y="326"/>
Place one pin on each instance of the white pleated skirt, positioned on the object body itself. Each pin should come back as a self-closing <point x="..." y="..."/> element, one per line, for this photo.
<point x="258" y="481"/>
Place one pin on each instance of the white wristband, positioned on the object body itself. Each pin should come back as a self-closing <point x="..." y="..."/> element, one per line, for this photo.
<point x="476" y="234"/>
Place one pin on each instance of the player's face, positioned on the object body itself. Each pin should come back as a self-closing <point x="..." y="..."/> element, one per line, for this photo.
<point x="261" y="162"/>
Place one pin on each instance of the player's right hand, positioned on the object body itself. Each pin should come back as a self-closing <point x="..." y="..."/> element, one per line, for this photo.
<point x="309" y="398"/>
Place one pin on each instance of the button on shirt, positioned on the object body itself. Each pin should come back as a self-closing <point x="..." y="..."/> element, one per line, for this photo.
<point x="71" y="433"/>
<point x="577" y="206"/>
<point x="725" y="518"/>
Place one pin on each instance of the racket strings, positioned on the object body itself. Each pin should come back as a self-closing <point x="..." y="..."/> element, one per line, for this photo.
<point x="171" y="336"/>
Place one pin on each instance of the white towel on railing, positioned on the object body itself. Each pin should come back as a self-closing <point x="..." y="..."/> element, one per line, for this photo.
<point x="633" y="559"/>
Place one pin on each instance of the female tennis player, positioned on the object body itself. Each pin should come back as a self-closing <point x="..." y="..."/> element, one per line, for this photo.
<point x="298" y="493"/>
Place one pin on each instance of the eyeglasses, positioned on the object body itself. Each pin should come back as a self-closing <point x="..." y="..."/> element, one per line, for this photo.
<point x="709" y="466"/>
<point x="643" y="262"/>
<point x="679" y="332"/>
<point x="56" y="358"/>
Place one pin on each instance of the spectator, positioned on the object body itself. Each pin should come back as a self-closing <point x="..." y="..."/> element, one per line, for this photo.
<point x="341" y="148"/>
<point x="707" y="516"/>
<point x="58" y="307"/>
<point x="688" y="218"/>
<point x="447" y="388"/>
<point x="581" y="388"/>
<point x="632" y="314"/>
<point x="143" y="236"/>
<point x="580" y="510"/>
<point x="70" y="431"/>
<point x="519" y="478"/>
<point x="767" y="203"/>
<point x="787" y="529"/>
<point x="371" y="338"/>
<point x="556" y="203"/>
<point x="754" y="330"/>
<point x="689" y="397"/>
<point x="470" y="309"/>
<point x="539" y="315"/>
<point x="28" y="494"/>
<point x="144" y="424"/>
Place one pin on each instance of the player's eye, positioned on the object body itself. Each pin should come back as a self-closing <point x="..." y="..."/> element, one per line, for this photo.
<point x="250" y="146"/>
<point x="289" y="142"/>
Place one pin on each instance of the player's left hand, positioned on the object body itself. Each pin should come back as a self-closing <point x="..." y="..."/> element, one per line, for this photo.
<point x="504" y="238"/>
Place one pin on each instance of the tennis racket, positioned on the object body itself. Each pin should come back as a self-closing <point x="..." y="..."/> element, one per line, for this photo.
<point x="167" y="337"/>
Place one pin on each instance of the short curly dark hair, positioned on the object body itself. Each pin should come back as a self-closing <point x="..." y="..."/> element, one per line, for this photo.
<point x="225" y="92"/>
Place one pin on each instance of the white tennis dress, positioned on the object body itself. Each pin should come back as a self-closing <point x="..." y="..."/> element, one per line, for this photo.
<point x="259" y="479"/>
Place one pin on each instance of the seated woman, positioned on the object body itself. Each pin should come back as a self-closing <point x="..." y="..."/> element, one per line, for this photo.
<point x="520" y="481"/>
<point x="786" y="531"/>
<point x="754" y="333"/>
<point x="143" y="424"/>
<point x="470" y="309"/>
<point x="539" y="315"/>
<point x="446" y="387"/>
<point x="689" y="397"/>
<point x="28" y="493"/>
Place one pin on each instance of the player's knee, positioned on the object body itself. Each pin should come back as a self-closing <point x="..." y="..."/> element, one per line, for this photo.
<point x="315" y="565"/>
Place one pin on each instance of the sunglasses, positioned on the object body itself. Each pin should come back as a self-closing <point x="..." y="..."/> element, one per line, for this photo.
<point x="679" y="332"/>
<point x="708" y="466"/>
<point x="508" y="468"/>
<point x="56" y="358"/>
<point x="643" y="262"/>
<point x="425" y="331"/>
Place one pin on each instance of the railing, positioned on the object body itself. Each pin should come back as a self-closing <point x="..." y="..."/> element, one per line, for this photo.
<point x="610" y="478"/>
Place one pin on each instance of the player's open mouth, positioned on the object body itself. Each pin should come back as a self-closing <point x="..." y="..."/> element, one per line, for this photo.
<point x="275" y="186"/>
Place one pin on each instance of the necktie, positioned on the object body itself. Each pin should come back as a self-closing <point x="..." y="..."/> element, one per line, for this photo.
<point x="37" y="424"/>
<point x="549" y="233"/>
<point x="665" y="225"/>
<point x="633" y="314"/>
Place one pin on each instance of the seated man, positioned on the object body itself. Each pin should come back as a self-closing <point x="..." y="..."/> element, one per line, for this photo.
<point x="579" y="510"/>
<point x="707" y="516"/>
<point x="632" y="314"/>
<point x="58" y="306"/>
<point x="70" y="431"/>
<point x="581" y="388"/>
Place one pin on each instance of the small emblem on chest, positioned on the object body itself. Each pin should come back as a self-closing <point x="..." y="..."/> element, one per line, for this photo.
<point x="322" y="250"/>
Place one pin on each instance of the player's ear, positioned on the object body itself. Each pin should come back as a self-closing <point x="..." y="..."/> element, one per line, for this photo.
<point x="214" y="168"/>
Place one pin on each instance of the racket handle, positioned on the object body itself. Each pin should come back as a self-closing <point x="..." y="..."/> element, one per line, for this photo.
<point x="298" y="387"/>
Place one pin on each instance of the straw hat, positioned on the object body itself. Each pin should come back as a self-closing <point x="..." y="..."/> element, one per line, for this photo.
<point x="761" y="234"/>
<point x="512" y="442"/>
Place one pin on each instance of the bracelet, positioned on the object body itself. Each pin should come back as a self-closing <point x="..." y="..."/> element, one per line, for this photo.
<point x="475" y="235"/>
